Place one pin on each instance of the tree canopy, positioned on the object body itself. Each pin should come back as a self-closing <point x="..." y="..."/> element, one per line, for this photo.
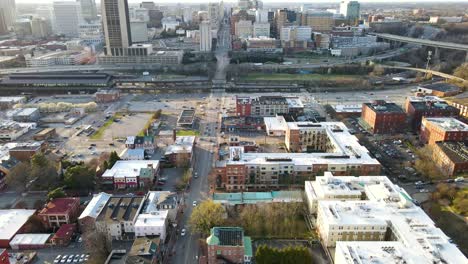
<point x="293" y="255"/>
<point x="79" y="177"/>
<point x="206" y="215"/>
<point x="56" y="193"/>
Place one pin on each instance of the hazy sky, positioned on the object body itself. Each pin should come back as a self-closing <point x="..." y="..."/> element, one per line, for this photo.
<point x="265" y="1"/>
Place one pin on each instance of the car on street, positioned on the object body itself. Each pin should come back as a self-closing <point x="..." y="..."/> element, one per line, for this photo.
<point x="182" y="233"/>
<point x="423" y="191"/>
<point x="459" y="179"/>
<point x="194" y="203"/>
<point x="195" y="175"/>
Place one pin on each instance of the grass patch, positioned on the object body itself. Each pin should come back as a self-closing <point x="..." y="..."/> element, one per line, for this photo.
<point x="299" y="77"/>
<point x="187" y="132"/>
<point x="100" y="132"/>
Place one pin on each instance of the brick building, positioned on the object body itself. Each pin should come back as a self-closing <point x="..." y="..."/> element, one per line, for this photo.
<point x="131" y="174"/>
<point x="440" y="89"/>
<point x="429" y="106"/>
<point x="434" y="129"/>
<point x="25" y="151"/>
<point x="268" y="106"/>
<point x="451" y="157"/>
<point x="107" y="96"/>
<point x="60" y="211"/>
<point x="383" y="117"/>
<point x="12" y="222"/>
<point x="229" y="245"/>
<point x="4" y="256"/>
<point x="63" y="235"/>
<point x="334" y="150"/>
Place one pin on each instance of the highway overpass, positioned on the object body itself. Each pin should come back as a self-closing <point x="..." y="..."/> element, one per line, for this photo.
<point x="435" y="73"/>
<point x="424" y="42"/>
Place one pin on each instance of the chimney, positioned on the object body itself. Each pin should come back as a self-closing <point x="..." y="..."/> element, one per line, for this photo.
<point x="174" y="135"/>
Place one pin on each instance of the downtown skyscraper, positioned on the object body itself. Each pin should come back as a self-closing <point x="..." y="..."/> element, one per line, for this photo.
<point x="116" y="21"/>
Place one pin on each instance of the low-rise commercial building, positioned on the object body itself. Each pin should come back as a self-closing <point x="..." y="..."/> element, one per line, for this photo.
<point x="59" y="58"/>
<point x="9" y="101"/>
<point x="451" y="157"/>
<point x="29" y="241"/>
<point x="228" y="244"/>
<point x="25" y="151"/>
<point x="417" y="107"/>
<point x="131" y="174"/>
<point x="232" y="199"/>
<point x="88" y="217"/>
<point x="25" y="114"/>
<point x="144" y="251"/>
<point x="435" y="129"/>
<point x="263" y="44"/>
<point x="45" y="134"/>
<point x="160" y="57"/>
<point x="383" y="117"/>
<point x="64" y="235"/>
<point x="12" y="222"/>
<point x="11" y="130"/>
<point x="275" y="126"/>
<point x="107" y="96"/>
<point x="440" y="89"/>
<point x="60" y="211"/>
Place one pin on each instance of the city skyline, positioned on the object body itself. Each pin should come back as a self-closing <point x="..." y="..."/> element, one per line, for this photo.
<point x="268" y="1"/>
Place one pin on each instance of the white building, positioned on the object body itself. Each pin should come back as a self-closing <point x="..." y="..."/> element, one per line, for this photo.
<point x="57" y="58"/>
<point x="372" y="212"/>
<point x="243" y="29"/>
<point x="205" y="36"/>
<point x="296" y="33"/>
<point x="440" y="19"/>
<point x="67" y="18"/>
<point x="11" y="130"/>
<point x="132" y="173"/>
<point x="139" y="31"/>
<point x="46" y="13"/>
<point x="261" y="30"/>
<point x="170" y="23"/>
<point x="141" y="14"/>
<point x="11" y="221"/>
<point x="275" y="126"/>
<point x="261" y="16"/>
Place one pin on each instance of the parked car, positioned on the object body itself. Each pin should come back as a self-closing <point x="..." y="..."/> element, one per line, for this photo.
<point x="182" y="233"/>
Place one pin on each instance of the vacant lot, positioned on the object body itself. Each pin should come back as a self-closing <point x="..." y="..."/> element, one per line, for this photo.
<point x="126" y="126"/>
<point x="299" y="77"/>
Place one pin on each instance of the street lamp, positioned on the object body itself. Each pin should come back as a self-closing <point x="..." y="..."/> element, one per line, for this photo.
<point x="429" y="54"/>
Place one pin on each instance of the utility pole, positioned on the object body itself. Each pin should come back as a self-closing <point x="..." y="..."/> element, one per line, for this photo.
<point x="429" y="54"/>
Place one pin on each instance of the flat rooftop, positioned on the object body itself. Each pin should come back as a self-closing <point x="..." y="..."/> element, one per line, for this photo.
<point x="384" y="107"/>
<point x="129" y="168"/>
<point x="52" y="78"/>
<point x="447" y="123"/>
<point x="11" y="220"/>
<point x="348" y="108"/>
<point x="347" y="150"/>
<point x="182" y="144"/>
<point x="441" y="86"/>
<point x="120" y="208"/>
<point x="456" y="151"/>
<point x="30" y="239"/>
<point x="186" y="117"/>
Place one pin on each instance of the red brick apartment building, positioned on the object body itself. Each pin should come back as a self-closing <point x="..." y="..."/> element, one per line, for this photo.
<point x="4" y="256"/>
<point x="228" y="245"/>
<point x="435" y="129"/>
<point x="451" y="157"/>
<point x="383" y="117"/>
<point x="417" y="107"/>
<point x="60" y="211"/>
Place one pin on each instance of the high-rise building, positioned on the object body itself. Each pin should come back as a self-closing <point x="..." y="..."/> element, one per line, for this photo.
<point x="350" y="9"/>
<point x="148" y="5"/>
<point x="7" y="15"/>
<point x="205" y="36"/>
<point x="139" y="31"/>
<point x="213" y="12"/>
<point x="244" y="29"/>
<point x="40" y="27"/>
<point x="261" y="16"/>
<point x="67" y="18"/>
<point x="318" y="20"/>
<point x="46" y="13"/>
<point x="116" y="23"/>
<point x="88" y="9"/>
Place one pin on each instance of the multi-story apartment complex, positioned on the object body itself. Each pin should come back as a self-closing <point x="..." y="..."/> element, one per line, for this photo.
<point x="342" y="154"/>
<point x="383" y="117"/>
<point x="384" y="216"/>
<point x="60" y="211"/>
<point x="429" y="106"/>
<point x="229" y="245"/>
<point x="451" y="157"/>
<point x="461" y="103"/>
<point x="309" y="137"/>
<point x="268" y="106"/>
<point x="435" y="129"/>
<point x="131" y="174"/>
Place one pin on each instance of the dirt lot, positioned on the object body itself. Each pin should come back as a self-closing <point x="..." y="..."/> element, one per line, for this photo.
<point x="127" y="126"/>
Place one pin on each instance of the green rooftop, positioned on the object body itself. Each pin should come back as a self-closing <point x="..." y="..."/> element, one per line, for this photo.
<point x="256" y="197"/>
<point x="248" y="246"/>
